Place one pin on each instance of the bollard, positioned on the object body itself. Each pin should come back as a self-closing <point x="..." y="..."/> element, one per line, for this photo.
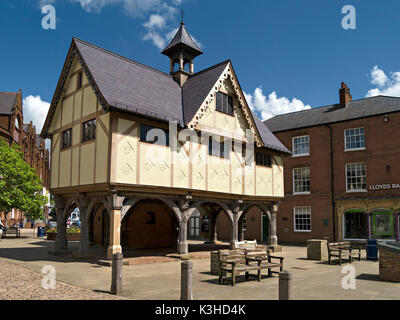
<point x="186" y="280"/>
<point x="116" y="276"/>
<point x="285" y="285"/>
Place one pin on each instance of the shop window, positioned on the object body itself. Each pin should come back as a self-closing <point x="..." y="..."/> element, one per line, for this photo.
<point x="383" y="226"/>
<point x="356" y="225"/>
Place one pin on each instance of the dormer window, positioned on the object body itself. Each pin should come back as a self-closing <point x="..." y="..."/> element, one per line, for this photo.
<point x="224" y="103"/>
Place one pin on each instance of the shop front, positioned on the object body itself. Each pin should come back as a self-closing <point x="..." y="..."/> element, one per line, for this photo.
<point x="368" y="219"/>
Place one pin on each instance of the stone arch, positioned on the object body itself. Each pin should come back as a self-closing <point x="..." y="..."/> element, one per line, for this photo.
<point x="149" y="223"/>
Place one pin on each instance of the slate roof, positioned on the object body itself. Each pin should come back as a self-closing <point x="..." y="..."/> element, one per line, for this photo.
<point x="334" y="113"/>
<point x="129" y="86"/>
<point x="182" y="40"/>
<point x="197" y="87"/>
<point x="7" y="102"/>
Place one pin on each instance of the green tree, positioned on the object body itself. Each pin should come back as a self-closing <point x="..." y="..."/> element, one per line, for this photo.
<point x="20" y="186"/>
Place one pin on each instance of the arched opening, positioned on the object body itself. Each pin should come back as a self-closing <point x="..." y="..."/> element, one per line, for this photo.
<point x="254" y="225"/>
<point x="149" y="224"/>
<point x="99" y="226"/>
<point x="215" y="223"/>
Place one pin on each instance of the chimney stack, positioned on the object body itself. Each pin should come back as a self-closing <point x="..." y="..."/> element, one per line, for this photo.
<point x="345" y="96"/>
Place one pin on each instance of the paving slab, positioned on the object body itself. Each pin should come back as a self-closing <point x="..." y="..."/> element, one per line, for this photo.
<point x="312" y="280"/>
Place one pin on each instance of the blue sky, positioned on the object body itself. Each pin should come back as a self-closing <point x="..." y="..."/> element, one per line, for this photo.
<point x="281" y="50"/>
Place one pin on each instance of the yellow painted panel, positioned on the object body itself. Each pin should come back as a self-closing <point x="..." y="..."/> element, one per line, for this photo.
<point x="89" y="102"/>
<point x="199" y="168"/>
<point x="76" y="134"/>
<point x="54" y="162"/>
<point x="55" y="123"/>
<point x="67" y="110"/>
<point x="84" y="79"/>
<point x="75" y="166"/>
<point x="105" y="118"/>
<point x="155" y="165"/>
<point x="126" y="168"/>
<point x="237" y="174"/>
<point x="264" y="181"/>
<point x="101" y="155"/>
<point x="65" y="168"/>
<point x="87" y="163"/>
<point x="70" y="84"/>
<point x="123" y="125"/>
<point x="75" y="65"/>
<point x="278" y="177"/>
<point x="181" y="167"/>
<point x="249" y="180"/>
<point x="218" y="174"/>
<point x="78" y="105"/>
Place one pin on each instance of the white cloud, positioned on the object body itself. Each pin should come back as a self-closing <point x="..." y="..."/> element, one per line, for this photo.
<point x="387" y="86"/>
<point x="131" y="7"/>
<point x="155" y="21"/>
<point x="272" y="106"/>
<point x="35" y="110"/>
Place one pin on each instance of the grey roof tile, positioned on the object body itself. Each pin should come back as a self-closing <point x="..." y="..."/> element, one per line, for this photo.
<point x="7" y="102"/>
<point x="334" y="113"/>
<point x="183" y="40"/>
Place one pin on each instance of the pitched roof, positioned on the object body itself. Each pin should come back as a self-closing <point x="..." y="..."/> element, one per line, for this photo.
<point x="197" y="87"/>
<point x="182" y="40"/>
<point x="132" y="87"/>
<point x="334" y="113"/>
<point x="7" y="102"/>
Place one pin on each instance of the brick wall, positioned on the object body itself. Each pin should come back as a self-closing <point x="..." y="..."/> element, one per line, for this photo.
<point x="389" y="265"/>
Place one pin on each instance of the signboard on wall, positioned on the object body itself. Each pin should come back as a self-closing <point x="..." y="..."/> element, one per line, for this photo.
<point x="377" y="187"/>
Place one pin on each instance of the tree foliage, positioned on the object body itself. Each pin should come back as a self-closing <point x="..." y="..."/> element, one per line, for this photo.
<point x="20" y="186"/>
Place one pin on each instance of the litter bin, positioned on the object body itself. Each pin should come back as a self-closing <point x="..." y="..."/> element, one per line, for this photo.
<point x="372" y="250"/>
<point x="40" y="232"/>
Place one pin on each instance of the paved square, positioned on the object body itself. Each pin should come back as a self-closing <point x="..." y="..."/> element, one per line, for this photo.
<point x="161" y="281"/>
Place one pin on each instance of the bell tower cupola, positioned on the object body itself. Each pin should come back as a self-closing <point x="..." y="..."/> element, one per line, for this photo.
<point x="181" y="51"/>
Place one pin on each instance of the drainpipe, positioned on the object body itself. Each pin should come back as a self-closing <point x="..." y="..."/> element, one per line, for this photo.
<point x="332" y="185"/>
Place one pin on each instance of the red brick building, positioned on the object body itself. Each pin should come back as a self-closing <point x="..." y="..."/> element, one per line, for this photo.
<point x="14" y="130"/>
<point x="342" y="180"/>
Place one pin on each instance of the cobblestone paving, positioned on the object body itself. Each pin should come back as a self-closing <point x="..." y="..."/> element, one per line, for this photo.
<point x="18" y="283"/>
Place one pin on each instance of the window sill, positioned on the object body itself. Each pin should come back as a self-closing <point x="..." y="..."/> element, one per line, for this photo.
<point x="301" y="193"/>
<point x="300" y="155"/>
<point x="351" y="150"/>
<point x="357" y="191"/>
<point x="302" y="231"/>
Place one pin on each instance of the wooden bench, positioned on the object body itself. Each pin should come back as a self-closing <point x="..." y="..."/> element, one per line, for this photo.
<point x="11" y="230"/>
<point x="264" y="259"/>
<point x="342" y="250"/>
<point x="238" y="261"/>
<point x="249" y="245"/>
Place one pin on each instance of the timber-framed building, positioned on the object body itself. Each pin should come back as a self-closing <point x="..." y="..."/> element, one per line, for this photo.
<point x="134" y="189"/>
